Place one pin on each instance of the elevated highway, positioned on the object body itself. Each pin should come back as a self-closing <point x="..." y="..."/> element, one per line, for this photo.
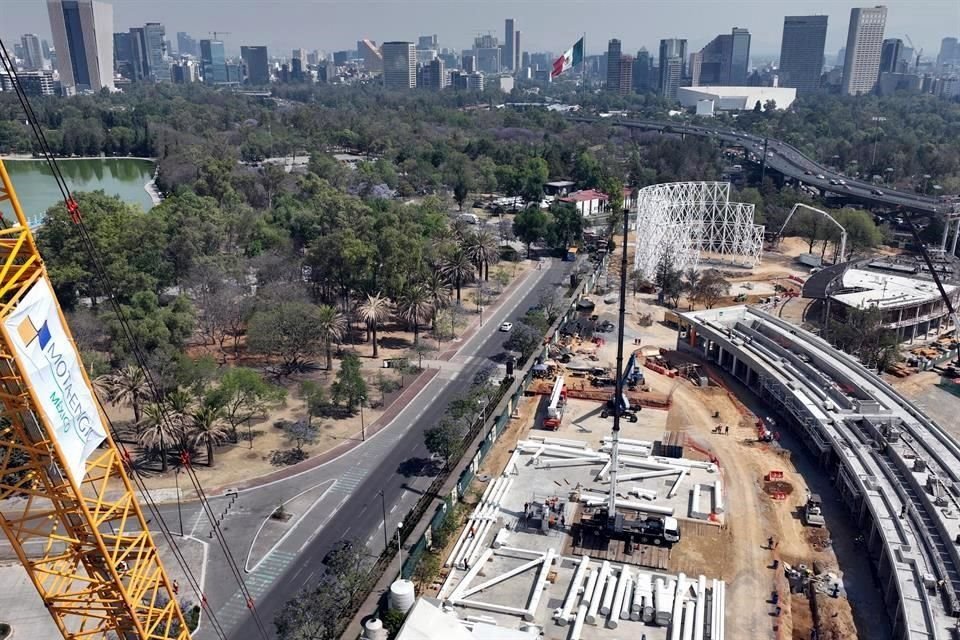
<point x="791" y="163"/>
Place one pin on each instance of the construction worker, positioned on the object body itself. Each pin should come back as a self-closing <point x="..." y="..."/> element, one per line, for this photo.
<point x="726" y="430"/>
<point x="176" y="587"/>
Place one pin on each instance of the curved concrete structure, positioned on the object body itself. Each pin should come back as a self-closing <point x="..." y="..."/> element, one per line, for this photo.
<point x="895" y="469"/>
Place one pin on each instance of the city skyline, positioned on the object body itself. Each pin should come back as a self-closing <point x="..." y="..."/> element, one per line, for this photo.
<point x="345" y="22"/>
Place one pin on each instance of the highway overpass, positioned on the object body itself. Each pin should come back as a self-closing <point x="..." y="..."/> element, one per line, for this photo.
<point x="788" y="161"/>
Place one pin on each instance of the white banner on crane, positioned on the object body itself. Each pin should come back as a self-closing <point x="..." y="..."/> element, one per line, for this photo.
<point x="51" y="366"/>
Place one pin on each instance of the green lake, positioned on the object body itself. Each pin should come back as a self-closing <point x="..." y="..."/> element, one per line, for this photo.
<point x="37" y="191"/>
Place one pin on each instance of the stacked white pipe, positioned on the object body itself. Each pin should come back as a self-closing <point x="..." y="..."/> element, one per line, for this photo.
<point x="479" y="523"/>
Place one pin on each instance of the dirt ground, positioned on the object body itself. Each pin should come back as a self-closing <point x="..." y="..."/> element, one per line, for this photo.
<point x="241" y="461"/>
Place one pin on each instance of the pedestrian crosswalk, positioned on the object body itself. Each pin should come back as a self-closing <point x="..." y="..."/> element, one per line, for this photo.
<point x="234" y="610"/>
<point x="350" y="480"/>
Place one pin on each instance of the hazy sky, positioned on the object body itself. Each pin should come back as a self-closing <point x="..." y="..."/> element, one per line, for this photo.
<point x="551" y="25"/>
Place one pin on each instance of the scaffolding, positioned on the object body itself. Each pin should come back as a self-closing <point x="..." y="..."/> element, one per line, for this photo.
<point x="694" y="223"/>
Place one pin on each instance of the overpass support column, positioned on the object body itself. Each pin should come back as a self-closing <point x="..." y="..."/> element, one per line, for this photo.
<point x="946" y="234"/>
<point x="956" y="235"/>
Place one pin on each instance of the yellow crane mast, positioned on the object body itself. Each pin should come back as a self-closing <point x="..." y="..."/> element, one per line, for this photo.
<point x="64" y="492"/>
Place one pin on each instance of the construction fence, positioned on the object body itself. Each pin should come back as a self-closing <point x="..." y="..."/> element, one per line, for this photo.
<point x="492" y="426"/>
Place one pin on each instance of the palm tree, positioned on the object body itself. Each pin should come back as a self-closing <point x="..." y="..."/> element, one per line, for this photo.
<point x="206" y="430"/>
<point x="483" y="249"/>
<point x="691" y="285"/>
<point x="414" y="307"/>
<point x="438" y="287"/>
<point x="158" y="429"/>
<point x="178" y="405"/>
<point x="458" y="267"/>
<point x="126" y="386"/>
<point x="374" y="311"/>
<point x="332" y="325"/>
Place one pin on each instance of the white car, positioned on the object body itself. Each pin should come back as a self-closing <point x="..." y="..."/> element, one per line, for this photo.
<point x="819" y="176"/>
<point x="506" y="326"/>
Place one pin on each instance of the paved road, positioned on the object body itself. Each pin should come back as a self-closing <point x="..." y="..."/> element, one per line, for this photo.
<point x="788" y="160"/>
<point x="351" y="508"/>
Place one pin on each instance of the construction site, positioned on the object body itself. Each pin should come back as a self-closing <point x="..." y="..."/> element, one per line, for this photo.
<point x="751" y="466"/>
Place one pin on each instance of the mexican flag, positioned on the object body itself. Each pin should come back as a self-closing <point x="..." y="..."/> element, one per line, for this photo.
<point x="571" y="58"/>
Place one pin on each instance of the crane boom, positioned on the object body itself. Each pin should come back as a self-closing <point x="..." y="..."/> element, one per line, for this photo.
<point x="99" y="573"/>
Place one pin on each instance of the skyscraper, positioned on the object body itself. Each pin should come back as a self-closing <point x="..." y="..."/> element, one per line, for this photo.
<point x="949" y="53"/>
<point x="371" y="56"/>
<point x="890" y="54"/>
<point x="427" y="42"/>
<point x="399" y="65"/>
<point x="711" y="65"/>
<point x="739" y="56"/>
<point x="486" y="50"/>
<point x="517" y="52"/>
<point x="672" y="48"/>
<point x="213" y="61"/>
<point x="153" y="35"/>
<point x="139" y="60"/>
<point x="123" y="55"/>
<point x="671" y="73"/>
<point x="626" y="75"/>
<point x="861" y="65"/>
<point x="614" y="49"/>
<point x="642" y="72"/>
<point x="83" y="37"/>
<point x="258" y="65"/>
<point x="186" y="45"/>
<point x="508" y="45"/>
<point x="33" y="54"/>
<point x="801" y="52"/>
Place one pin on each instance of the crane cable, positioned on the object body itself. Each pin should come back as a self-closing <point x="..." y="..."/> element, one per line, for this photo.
<point x="105" y="282"/>
<point x="94" y="255"/>
<point x="137" y="477"/>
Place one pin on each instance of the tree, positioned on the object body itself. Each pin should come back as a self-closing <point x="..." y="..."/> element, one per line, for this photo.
<point x="126" y="386"/>
<point x="565" y="228"/>
<point x="332" y="326"/>
<point x="158" y="431"/>
<point x="373" y="312"/>
<point x="668" y="280"/>
<point x="483" y="249"/>
<point x="691" y="285"/>
<point x="757" y="108"/>
<point x="530" y="225"/>
<point x="241" y="395"/>
<point x="524" y="339"/>
<point x="438" y="290"/>
<point x="300" y="433"/>
<point x="349" y="385"/>
<point x="711" y="287"/>
<point x="205" y="429"/>
<point x="313" y="614"/>
<point x="461" y="189"/>
<point x="769" y="106"/>
<point x="290" y="332"/>
<point x="414" y="307"/>
<point x="458" y="267"/>
<point x="533" y="176"/>
<point x="314" y="397"/>
<point x="445" y="439"/>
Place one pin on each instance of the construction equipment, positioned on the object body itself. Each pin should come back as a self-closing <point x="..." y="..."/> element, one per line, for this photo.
<point x="812" y="512"/>
<point x="842" y="252"/>
<point x="216" y="34"/>
<point x="99" y="574"/>
<point x="606" y="521"/>
<point x="558" y="401"/>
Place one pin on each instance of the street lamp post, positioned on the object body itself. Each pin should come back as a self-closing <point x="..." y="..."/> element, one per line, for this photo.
<point x="363" y="432"/>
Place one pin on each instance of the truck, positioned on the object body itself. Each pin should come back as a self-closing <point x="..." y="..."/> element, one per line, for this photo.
<point x="812" y="512"/>
<point x="623" y="407"/>
<point x="659" y="531"/>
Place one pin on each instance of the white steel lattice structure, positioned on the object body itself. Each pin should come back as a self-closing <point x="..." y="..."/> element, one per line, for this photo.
<point x="694" y="222"/>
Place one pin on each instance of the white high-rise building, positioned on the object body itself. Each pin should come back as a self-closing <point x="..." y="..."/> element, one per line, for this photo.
<point x="399" y="65"/>
<point x="861" y="64"/>
<point x="83" y="37"/>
